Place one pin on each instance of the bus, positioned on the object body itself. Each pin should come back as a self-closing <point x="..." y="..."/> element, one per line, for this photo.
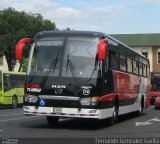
<point x="83" y="74"/>
<point x="11" y="88"/>
<point x="155" y="86"/>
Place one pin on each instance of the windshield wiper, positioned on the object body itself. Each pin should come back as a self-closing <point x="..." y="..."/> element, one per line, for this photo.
<point x="69" y="62"/>
<point x="95" y="68"/>
<point x="51" y="64"/>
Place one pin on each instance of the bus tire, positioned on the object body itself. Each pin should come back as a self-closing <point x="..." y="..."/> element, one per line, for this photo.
<point x="14" y="102"/>
<point x="141" y="108"/>
<point x="52" y="120"/>
<point x="114" y="117"/>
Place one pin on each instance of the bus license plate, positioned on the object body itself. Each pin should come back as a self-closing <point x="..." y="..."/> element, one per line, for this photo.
<point x="57" y="110"/>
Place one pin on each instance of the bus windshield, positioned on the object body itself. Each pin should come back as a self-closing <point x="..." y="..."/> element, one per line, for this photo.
<point x="80" y="57"/>
<point x="42" y="54"/>
<point x="64" y="57"/>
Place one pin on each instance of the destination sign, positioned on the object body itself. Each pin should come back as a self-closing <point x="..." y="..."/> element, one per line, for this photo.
<point x="50" y="43"/>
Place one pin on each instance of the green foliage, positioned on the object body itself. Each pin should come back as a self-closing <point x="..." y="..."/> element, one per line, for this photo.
<point x="15" y="25"/>
<point x="24" y="64"/>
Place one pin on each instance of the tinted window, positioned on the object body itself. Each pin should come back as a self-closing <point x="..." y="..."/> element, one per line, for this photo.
<point x="7" y="82"/>
<point x="13" y="81"/>
<point x="17" y="81"/>
<point x="140" y="69"/>
<point x="129" y="65"/>
<point x="80" y="57"/>
<point x="114" y="60"/>
<point x="144" y="70"/>
<point x="123" y="63"/>
<point x="46" y="56"/>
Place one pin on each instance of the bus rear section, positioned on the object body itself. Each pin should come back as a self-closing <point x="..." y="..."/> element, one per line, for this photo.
<point x="70" y="75"/>
<point x="11" y="88"/>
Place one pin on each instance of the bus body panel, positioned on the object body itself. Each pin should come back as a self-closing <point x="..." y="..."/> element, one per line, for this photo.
<point x="128" y="87"/>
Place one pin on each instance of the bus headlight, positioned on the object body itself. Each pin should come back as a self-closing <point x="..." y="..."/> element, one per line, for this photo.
<point x="85" y="101"/>
<point x="30" y="99"/>
<point x="88" y="101"/>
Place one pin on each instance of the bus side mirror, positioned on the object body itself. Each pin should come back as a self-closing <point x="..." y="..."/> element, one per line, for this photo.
<point x="102" y="49"/>
<point x="20" y="46"/>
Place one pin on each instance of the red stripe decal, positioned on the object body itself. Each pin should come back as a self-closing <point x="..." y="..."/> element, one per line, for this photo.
<point x="109" y="97"/>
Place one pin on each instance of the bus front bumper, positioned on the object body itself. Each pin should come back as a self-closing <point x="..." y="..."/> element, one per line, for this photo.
<point x="68" y="112"/>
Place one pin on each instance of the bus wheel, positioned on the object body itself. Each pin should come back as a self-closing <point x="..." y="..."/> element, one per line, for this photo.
<point x="114" y="117"/>
<point x="14" y="102"/>
<point x="52" y="121"/>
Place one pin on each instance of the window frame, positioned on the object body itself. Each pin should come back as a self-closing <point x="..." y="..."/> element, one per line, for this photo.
<point x="144" y="51"/>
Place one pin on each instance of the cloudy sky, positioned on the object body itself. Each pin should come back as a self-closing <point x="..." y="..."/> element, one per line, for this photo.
<point x="109" y="16"/>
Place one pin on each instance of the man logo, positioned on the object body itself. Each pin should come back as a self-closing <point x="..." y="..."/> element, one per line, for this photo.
<point x="58" y="91"/>
<point x="86" y="91"/>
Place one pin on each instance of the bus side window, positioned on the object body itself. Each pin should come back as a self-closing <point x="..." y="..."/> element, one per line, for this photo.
<point x="135" y="67"/>
<point x="129" y="65"/>
<point x="144" y="70"/>
<point x="114" y="60"/>
<point x="148" y="69"/>
<point x="7" y="82"/>
<point x="20" y="81"/>
<point x="140" y="69"/>
<point x="123" y="63"/>
<point x="17" y="81"/>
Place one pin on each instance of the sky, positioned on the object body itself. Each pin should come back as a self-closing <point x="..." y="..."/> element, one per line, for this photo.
<point x="108" y="16"/>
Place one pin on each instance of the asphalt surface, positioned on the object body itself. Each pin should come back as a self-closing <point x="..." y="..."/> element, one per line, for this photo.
<point x="14" y="124"/>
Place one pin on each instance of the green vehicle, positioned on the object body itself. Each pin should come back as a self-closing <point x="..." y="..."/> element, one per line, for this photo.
<point x="11" y="88"/>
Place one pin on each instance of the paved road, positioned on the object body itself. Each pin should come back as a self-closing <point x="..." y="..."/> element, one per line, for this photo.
<point x="13" y="124"/>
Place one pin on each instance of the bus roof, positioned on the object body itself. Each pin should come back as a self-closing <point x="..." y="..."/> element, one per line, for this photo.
<point x="68" y="33"/>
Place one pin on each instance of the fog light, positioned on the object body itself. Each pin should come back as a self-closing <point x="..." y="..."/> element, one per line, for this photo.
<point x="94" y="102"/>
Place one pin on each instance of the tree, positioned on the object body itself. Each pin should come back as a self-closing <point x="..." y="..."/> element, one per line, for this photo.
<point x="68" y="29"/>
<point x="15" y="25"/>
